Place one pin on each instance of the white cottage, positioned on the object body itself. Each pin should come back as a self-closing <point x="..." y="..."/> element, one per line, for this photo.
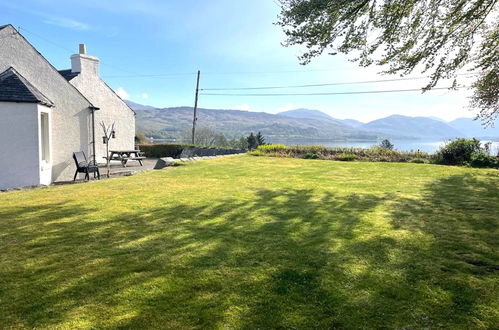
<point x="46" y="114"/>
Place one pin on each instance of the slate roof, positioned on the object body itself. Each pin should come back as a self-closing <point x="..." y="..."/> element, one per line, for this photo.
<point x="15" y="88"/>
<point x="68" y="74"/>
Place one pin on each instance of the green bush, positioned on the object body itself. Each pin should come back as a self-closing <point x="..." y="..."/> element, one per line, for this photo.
<point x="457" y="152"/>
<point x="386" y="144"/>
<point x="163" y="150"/>
<point x="482" y="159"/>
<point x="347" y="157"/>
<point x="419" y="161"/>
<point x="272" y="147"/>
<point x="373" y="154"/>
<point x="310" y="155"/>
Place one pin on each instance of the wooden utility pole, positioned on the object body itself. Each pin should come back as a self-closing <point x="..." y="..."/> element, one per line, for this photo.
<point x="194" y="119"/>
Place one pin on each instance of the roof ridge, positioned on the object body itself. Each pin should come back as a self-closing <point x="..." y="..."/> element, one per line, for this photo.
<point x="52" y="67"/>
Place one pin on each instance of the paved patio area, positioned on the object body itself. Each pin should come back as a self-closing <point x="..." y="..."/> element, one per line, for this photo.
<point x="131" y="168"/>
<point x="117" y="170"/>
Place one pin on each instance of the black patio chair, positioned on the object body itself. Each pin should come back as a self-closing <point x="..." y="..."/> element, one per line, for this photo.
<point x="84" y="166"/>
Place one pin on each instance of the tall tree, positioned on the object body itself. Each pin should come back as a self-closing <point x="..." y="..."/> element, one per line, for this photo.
<point x="260" y="139"/>
<point x="438" y="37"/>
<point x="252" y="142"/>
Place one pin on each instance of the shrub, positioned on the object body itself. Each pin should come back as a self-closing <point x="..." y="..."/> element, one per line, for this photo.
<point x="419" y="161"/>
<point x="457" y="152"/>
<point x="272" y="147"/>
<point x="386" y="144"/>
<point x="163" y="150"/>
<point x="347" y="157"/>
<point x="482" y="159"/>
<point x="310" y="155"/>
<point x="375" y="153"/>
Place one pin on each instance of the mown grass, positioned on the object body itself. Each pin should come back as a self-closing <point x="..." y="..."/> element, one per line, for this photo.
<point x="256" y="242"/>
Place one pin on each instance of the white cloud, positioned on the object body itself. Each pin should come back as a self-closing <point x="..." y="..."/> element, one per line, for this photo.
<point x="122" y="93"/>
<point x="144" y="96"/>
<point x="244" y="107"/>
<point x="287" y="107"/>
<point x="67" y="23"/>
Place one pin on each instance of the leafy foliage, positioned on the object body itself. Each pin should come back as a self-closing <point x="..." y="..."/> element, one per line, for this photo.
<point x="347" y="157"/>
<point x="458" y="152"/>
<point x="483" y="159"/>
<point x="260" y="139"/>
<point x="386" y="144"/>
<point x="310" y="155"/>
<point x="438" y="37"/>
<point x="252" y="141"/>
<point x="375" y="153"/>
<point x="163" y="150"/>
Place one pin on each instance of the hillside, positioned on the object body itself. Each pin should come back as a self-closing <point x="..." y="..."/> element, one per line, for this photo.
<point x="319" y="115"/>
<point x="172" y="122"/>
<point x="412" y="127"/>
<point x="302" y="124"/>
<point x="474" y="128"/>
<point x="307" y="114"/>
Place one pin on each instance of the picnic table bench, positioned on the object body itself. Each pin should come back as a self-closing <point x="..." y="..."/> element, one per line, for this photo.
<point x="125" y="155"/>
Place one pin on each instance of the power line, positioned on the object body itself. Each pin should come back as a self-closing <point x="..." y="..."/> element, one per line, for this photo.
<point x="154" y="75"/>
<point x="312" y="85"/>
<point x="332" y="93"/>
<point x="70" y="50"/>
<point x="219" y="73"/>
<point x="318" y="85"/>
<point x="214" y="73"/>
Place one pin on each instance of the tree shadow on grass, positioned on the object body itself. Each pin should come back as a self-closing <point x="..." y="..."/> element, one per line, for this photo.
<point x="280" y="259"/>
<point x="457" y="259"/>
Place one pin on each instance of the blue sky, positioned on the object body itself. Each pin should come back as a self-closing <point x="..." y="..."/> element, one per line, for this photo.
<point x="234" y="43"/>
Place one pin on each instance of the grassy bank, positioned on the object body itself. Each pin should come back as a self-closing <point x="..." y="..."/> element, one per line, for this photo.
<point x="256" y="242"/>
<point x="373" y="154"/>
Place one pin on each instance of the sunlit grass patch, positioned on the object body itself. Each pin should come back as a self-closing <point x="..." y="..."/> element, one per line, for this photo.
<point x="255" y="242"/>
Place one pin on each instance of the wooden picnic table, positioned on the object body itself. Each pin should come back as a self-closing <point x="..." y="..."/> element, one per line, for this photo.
<point x="125" y="155"/>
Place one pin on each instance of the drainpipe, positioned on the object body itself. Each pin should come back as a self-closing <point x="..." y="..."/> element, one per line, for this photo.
<point x="92" y="110"/>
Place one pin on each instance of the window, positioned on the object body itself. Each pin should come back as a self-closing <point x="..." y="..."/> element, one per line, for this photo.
<point x="45" y="138"/>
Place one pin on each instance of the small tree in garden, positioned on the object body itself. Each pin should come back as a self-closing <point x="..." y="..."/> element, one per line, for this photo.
<point x="252" y="142"/>
<point x="386" y="144"/>
<point x="109" y="133"/>
<point x="260" y="139"/>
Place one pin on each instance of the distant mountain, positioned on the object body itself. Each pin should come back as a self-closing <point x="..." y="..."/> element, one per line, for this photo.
<point x="319" y="115"/>
<point x="136" y="106"/>
<point x="412" y="127"/>
<point x="474" y="128"/>
<point x="352" y="122"/>
<point x="436" y="118"/>
<point x="173" y="122"/>
<point x="302" y="124"/>
<point x="307" y="114"/>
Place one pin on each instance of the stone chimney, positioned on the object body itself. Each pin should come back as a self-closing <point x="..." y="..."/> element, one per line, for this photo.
<point x="83" y="63"/>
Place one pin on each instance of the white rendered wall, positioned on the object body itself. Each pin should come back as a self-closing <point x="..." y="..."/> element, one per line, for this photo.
<point x="71" y="124"/>
<point x="19" y="164"/>
<point x="112" y="110"/>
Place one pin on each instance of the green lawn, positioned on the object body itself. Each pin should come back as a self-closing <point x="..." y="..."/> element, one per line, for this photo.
<point x="256" y="242"/>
